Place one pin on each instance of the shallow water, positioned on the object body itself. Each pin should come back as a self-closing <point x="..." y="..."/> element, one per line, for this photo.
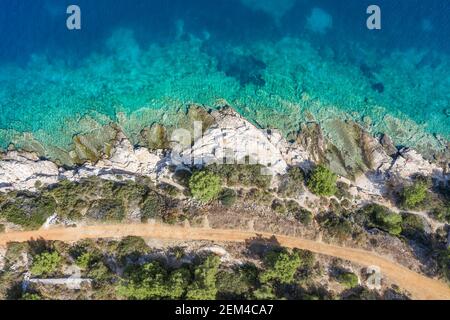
<point x="136" y="62"/>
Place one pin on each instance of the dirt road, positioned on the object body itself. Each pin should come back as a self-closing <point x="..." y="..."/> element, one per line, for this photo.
<point x="418" y="285"/>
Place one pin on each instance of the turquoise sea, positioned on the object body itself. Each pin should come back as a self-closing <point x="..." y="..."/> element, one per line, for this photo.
<point x="278" y="62"/>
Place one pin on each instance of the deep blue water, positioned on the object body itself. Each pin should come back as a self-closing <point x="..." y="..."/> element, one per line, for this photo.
<point x="34" y="26"/>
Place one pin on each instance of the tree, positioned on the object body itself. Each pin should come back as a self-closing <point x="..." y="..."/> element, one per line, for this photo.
<point x="281" y="267"/>
<point x="45" y="263"/>
<point x="382" y="218"/>
<point x="414" y="195"/>
<point x="205" y="186"/>
<point x="204" y="285"/>
<point x="322" y="181"/>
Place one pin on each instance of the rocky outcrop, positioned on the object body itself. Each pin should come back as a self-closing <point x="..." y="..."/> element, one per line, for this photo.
<point x="410" y="163"/>
<point x="25" y="171"/>
<point x="232" y="139"/>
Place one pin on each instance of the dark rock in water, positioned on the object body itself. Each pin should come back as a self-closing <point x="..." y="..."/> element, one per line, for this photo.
<point x="366" y="71"/>
<point x="379" y="87"/>
<point x="388" y="145"/>
<point x="94" y="145"/>
<point x="447" y="112"/>
<point x="247" y="69"/>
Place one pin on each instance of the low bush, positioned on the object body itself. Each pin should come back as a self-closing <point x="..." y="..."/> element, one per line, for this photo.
<point x="292" y="182"/>
<point x="278" y="207"/>
<point x="228" y="197"/>
<point x="247" y="175"/>
<point x="337" y="227"/>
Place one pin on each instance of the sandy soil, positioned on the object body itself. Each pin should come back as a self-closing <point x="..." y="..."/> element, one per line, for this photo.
<point x="419" y="286"/>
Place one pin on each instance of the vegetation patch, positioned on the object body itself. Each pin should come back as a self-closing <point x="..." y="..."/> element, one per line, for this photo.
<point x="382" y="218"/>
<point x="45" y="264"/>
<point x="412" y="196"/>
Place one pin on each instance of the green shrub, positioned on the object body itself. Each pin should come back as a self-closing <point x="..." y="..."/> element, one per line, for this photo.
<point x="413" y="227"/>
<point x="412" y="196"/>
<point x="442" y="213"/>
<point x="85" y="260"/>
<point x="300" y="214"/>
<point x="232" y="284"/>
<point x="131" y="248"/>
<point x="31" y="296"/>
<point x="228" y="197"/>
<point x="278" y="207"/>
<point x="265" y="292"/>
<point x="259" y="196"/>
<point x="106" y="210"/>
<point x="444" y="263"/>
<point x="99" y="271"/>
<point x="205" y="186"/>
<point x="45" y="263"/>
<point x="280" y="266"/>
<point x="347" y="279"/>
<point x="304" y="216"/>
<point x="384" y="219"/>
<point x="337" y="227"/>
<point x="154" y="206"/>
<point x="322" y="181"/>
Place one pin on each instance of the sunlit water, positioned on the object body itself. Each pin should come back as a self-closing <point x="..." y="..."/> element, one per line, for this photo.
<point x="278" y="63"/>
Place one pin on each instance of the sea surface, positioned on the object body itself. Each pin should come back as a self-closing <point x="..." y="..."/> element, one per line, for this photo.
<point x="277" y="62"/>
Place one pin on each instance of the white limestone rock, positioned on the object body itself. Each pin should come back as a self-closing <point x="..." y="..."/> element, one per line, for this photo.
<point x="24" y="171"/>
<point x="230" y="140"/>
<point x="409" y="163"/>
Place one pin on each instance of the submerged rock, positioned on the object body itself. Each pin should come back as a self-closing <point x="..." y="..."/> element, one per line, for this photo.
<point x="93" y="146"/>
<point x="155" y="137"/>
<point x="388" y="145"/>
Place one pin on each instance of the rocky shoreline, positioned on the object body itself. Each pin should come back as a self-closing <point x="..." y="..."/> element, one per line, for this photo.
<point x="367" y="162"/>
